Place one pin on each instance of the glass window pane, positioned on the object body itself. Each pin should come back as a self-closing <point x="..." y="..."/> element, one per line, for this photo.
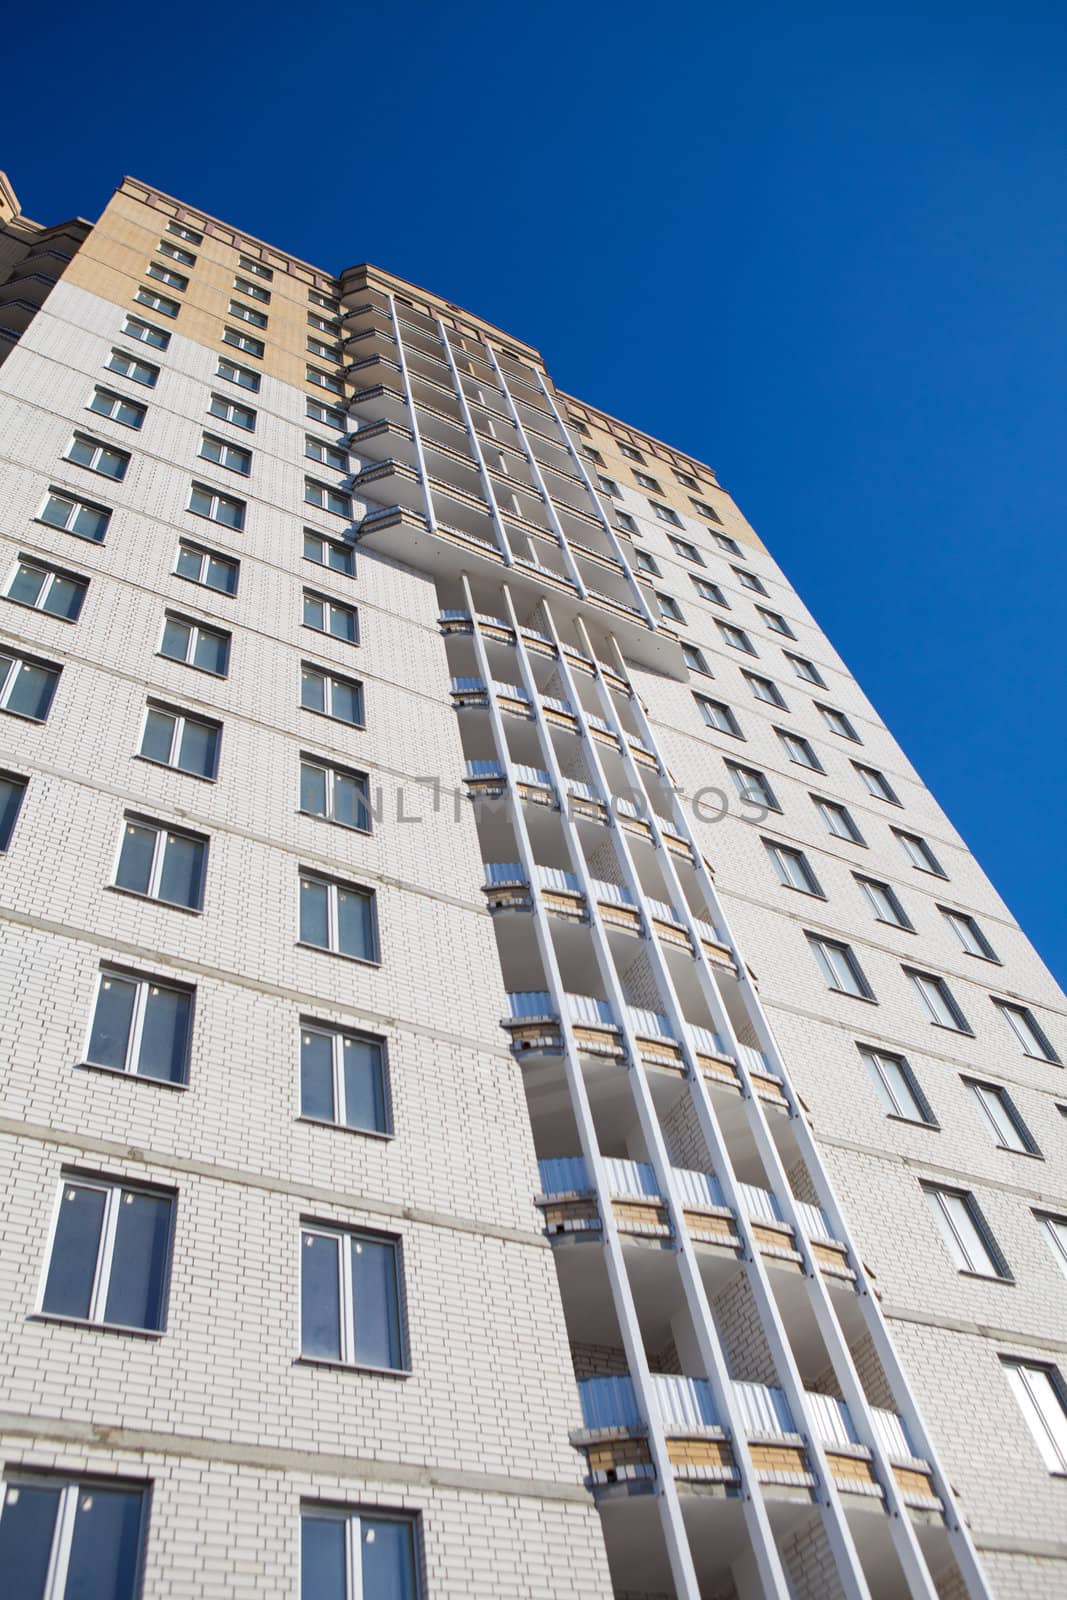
<point x="165" y="1034"/>
<point x="26" y="585"/>
<point x="388" y="1559"/>
<point x="322" y="1559"/>
<point x="316" y="1076"/>
<point x="314" y="548"/>
<point x="11" y="793"/>
<point x="375" y="1300"/>
<point x="110" y="1035"/>
<point x="364" y="1088"/>
<point x="313" y="691"/>
<point x="211" y="651"/>
<point x="135" y="861"/>
<point x="347" y="701"/>
<point x="313" y="612"/>
<point x="198" y="747"/>
<point x="320" y="1298"/>
<point x="189" y="563"/>
<point x="139" y="1263"/>
<point x="221" y="575"/>
<point x="176" y="639"/>
<point x="65" y="598"/>
<point x="68" y="1290"/>
<point x="314" y="916"/>
<point x="343" y="624"/>
<point x="90" y="523"/>
<point x="82" y="452"/>
<point x="33" y="691"/>
<point x="183" y="866"/>
<point x="158" y="736"/>
<point x="106" y="1544"/>
<point x="312" y="789"/>
<point x="349" y="799"/>
<point x="230" y="513"/>
<point x="340" y="559"/>
<point x="355" y="923"/>
<point x="26" y="1529"/>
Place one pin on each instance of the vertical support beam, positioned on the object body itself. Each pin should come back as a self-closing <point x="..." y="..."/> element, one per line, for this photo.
<point x="405" y="379"/>
<point x="476" y="449"/>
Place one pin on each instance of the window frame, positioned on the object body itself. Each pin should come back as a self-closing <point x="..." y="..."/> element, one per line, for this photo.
<point x="164" y="833"/>
<point x="51" y="573"/>
<point x="247" y="343"/>
<point x="988" y="1096"/>
<point x="217" y="499"/>
<point x="1046" y="1051"/>
<point x="984" y="950"/>
<point x="143" y="982"/>
<point x="146" y="333"/>
<point x="132" y="361"/>
<point x="19" y="783"/>
<point x="765" y="794"/>
<point x="115" y="1189"/>
<point x="812" y="675"/>
<point x="101" y="390"/>
<point x="334" y="769"/>
<point x="782" y="855"/>
<point x="337" y="1034"/>
<point x="330" y="677"/>
<point x="736" y="638"/>
<point x="229" y="408"/>
<point x="72" y="1491"/>
<point x="832" y="716"/>
<point x="888" y="1092"/>
<point x="207" y="555"/>
<point x="1051" y="1446"/>
<point x="328" y="494"/>
<point x="928" y="862"/>
<point x="19" y="660"/>
<point x="776" y="623"/>
<point x="836" y="808"/>
<point x="331" y="543"/>
<point x="237" y="375"/>
<point x="936" y="1194"/>
<point x="787" y="735"/>
<point x="776" y="698"/>
<point x="820" y="943"/>
<point x="227" y="448"/>
<point x="346" y="1236"/>
<point x="705" y="702"/>
<point x="98" y="449"/>
<point x="334" y="887"/>
<point x="919" y="978"/>
<point x="900" y="918"/>
<point x="196" y="628"/>
<point x="881" y="788"/>
<point x="181" y="719"/>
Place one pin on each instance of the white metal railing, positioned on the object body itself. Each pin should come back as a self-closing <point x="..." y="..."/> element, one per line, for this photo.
<point x="557" y="878"/>
<point x="763" y="1410"/>
<point x="707" y="1040"/>
<point x="589" y="1008"/>
<point x="833" y="1424"/>
<point x="609" y="1403"/>
<point x="494" y="622"/>
<point x="562" y="706"/>
<point x="468" y="686"/>
<point x="664" y="913"/>
<point x="814" y="1221"/>
<point x="453" y="616"/>
<point x="632" y="1179"/>
<point x="650" y="1024"/>
<point x="708" y="930"/>
<point x="536" y="637"/>
<point x="599" y="722"/>
<point x="616" y="893"/>
<point x="759" y="1204"/>
<point x="892" y="1434"/>
<point x="584" y="791"/>
<point x="756" y="1061"/>
<point x="484" y="769"/>
<point x="513" y="691"/>
<point x="505" y="872"/>
<point x="533" y="775"/>
<point x="698" y="1188"/>
<point x="684" y="1402"/>
<point x="530" y="1003"/>
<point x="563" y="1175"/>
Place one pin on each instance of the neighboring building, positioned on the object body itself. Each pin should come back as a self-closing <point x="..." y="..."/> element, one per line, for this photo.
<point x="512" y="1086"/>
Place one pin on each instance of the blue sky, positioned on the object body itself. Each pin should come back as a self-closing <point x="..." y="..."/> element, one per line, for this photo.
<point x="825" y="253"/>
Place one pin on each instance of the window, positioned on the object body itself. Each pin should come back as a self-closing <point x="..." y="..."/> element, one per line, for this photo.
<point x="686" y="479"/>
<point x="329" y="553"/>
<point x="329" y="416"/>
<point x="249" y="314"/>
<point x="1055" y="1230"/>
<point x="73" y="1538"/>
<point x="805" y="669"/>
<point x="1026" y="1028"/>
<point x="647" y="482"/>
<point x="27" y="686"/>
<point x="141" y="1026"/>
<point x="224" y="454"/>
<point x="839" y="967"/>
<point x="838" y="820"/>
<point x="106" y="403"/>
<point x="883" y="901"/>
<point x="631" y="454"/>
<point x="162" y="863"/>
<point x="173" y="738"/>
<point x="753" y="786"/>
<point x="718" y="716"/>
<point x="197" y="645"/>
<point x="167" y="275"/>
<point x="246" y="342"/>
<point x="232" y="411"/>
<point x="157" y="302"/>
<point x="793" y="868"/>
<point x="181" y="230"/>
<point x="896" y="1086"/>
<point x="339" y="917"/>
<point x="97" y="456"/>
<point x="938" y="1002"/>
<point x="254" y="291"/>
<point x="724" y="542"/>
<point x="736" y="638"/>
<point x="12" y="792"/>
<point x="702" y="509"/>
<point x="709" y="591"/>
<point x="257" y="268"/>
<point x="324" y="324"/>
<point x="593" y="455"/>
<point x="330" y="616"/>
<point x="324" y="351"/>
<point x="838" y="723"/>
<point x="327" y="499"/>
<point x="332" y="696"/>
<point x="174" y="252"/>
<point x="799" y="750"/>
<point x="669" y="608"/>
<point x="342" y="1078"/>
<point x="345" y="1555"/>
<point x="1008" y="1128"/>
<point x="608" y="486"/>
<point x="776" y="623"/>
<point x="876" y="783"/>
<point x="207" y="567"/>
<point x="965" y="1232"/>
<point x="318" y="299"/>
<point x="645" y="563"/>
<point x="145" y="333"/>
<point x="46" y="588"/>
<point x="665" y="514"/>
<point x="765" y="690"/>
<point x="748" y="580"/>
<point x="1040" y="1396"/>
<point x="244" y="377"/>
<point x="694" y="659"/>
<point x="579" y="427"/>
<point x="687" y="551"/>
<point x="626" y="523"/>
<point x="328" y="454"/>
<point x="969" y="934"/>
<point x="208" y="502"/>
<point x="919" y="853"/>
<point x="127" y="366"/>
<point x="337" y="794"/>
<point x="350" y="1298"/>
<point x="110" y="1252"/>
<point x="325" y="380"/>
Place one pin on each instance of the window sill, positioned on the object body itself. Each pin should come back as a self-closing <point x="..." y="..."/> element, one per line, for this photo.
<point x="333" y="571"/>
<point x="117" y="422"/>
<point x="71" y="532"/>
<point x="341" y="955"/>
<point x="215" y="523"/>
<point x="220" y="677"/>
<point x="240" y="472"/>
<point x="989" y="1277"/>
<point x="95" y="1327"/>
<point x="349" y="827"/>
<point x="24" y="716"/>
<point x="153" y="900"/>
<point x="344" y="1127"/>
<point x="40" y="610"/>
<point x="361" y="726"/>
<point x="913" y="1122"/>
<point x="993" y="961"/>
<point x="129" y="1077"/>
<point x="107" y="476"/>
<point x="353" y="644"/>
<point x="351" y="1366"/>
<point x="165" y="766"/>
<point x="1026" y="1155"/>
<point x="948" y="1027"/>
<point x="867" y="999"/>
<point x="210" y="589"/>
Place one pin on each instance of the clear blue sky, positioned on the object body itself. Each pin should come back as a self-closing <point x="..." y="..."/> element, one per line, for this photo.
<point x="826" y="253"/>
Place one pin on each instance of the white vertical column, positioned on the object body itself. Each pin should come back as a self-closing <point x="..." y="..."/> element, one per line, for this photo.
<point x="476" y="448"/>
<point x="405" y="379"/>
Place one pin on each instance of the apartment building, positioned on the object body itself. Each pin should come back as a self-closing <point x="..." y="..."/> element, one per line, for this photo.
<point x="512" y="1086"/>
